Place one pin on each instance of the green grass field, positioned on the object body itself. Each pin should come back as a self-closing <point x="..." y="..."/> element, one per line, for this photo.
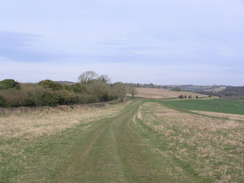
<point x="214" y="105"/>
<point x="137" y="142"/>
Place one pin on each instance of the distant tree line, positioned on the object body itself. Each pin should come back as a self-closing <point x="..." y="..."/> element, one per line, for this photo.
<point x="150" y="85"/>
<point x="91" y="88"/>
<point x="187" y="97"/>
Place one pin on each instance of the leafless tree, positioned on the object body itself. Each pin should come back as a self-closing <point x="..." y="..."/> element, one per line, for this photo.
<point x="104" y="79"/>
<point x="88" y="77"/>
<point x="119" y="89"/>
<point x="132" y="91"/>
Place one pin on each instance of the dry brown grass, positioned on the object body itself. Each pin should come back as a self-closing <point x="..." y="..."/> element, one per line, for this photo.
<point x="52" y="120"/>
<point x="155" y="93"/>
<point x="213" y="147"/>
<point x="222" y="115"/>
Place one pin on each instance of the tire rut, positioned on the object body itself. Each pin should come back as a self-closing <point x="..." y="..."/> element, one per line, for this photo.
<point x="115" y="153"/>
<point x="79" y="156"/>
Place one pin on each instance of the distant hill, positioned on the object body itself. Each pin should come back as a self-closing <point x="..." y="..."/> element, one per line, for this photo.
<point x="197" y="88"/>
<point x="156" y="93"/>
<point x="191" y="88"/>
<point x="234" y="92"/>
<point x="65" y="82"/>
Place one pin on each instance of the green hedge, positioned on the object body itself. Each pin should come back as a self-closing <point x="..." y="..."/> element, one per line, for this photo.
<point x="8" y="84"/>
<point x="50" y="93"/>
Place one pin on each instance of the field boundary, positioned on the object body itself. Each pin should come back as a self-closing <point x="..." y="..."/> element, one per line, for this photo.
<point x="19" y="110"/>
<point x="191" y="111"/>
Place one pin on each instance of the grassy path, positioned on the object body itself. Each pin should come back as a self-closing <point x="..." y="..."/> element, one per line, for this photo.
<point x="112" y="153"/>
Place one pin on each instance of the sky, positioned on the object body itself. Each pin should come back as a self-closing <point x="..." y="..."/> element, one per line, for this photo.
<point x="142" y="41"/>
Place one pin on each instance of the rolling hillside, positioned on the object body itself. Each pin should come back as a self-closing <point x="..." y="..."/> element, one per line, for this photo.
<point x="155" y="93"/>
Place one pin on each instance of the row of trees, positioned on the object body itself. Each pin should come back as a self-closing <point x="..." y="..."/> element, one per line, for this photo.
<point x="90" y="88"/>
<point x="184" y="96"/>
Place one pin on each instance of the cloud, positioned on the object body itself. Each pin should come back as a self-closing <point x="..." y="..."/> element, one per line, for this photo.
<point x="23" y="47"/>
<point x="140" y="40"/>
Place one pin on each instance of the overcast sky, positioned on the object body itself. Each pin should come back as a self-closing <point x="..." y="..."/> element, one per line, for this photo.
<point x="145" y="41"/>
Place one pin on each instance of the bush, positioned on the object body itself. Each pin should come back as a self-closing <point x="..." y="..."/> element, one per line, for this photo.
<point x="85" y="98"/>
<point x="76" y="88"/>
<point x="49" y="98"/>
<point x="50" y="93"/>
<point x="29" y="95"/>
<point x="180" y="96"/>
<point x="13" y="97"/>
<point x="32" y="95"/>
<point x="8" y="84"/>
<point x="176" y="89"/>
<point x="66" y="97"/>
<point x="51" y="85"/>
<point x="2" y="101"/>
<point x="29" y="102"/>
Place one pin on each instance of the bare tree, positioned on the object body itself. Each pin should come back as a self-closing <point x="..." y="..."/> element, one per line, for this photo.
<point x="88" y="77"/>
<point x="132" y="91"/>
<point x="104" y="78"/>
<point x="119" y="90"/>
<point x="99" y="89"/>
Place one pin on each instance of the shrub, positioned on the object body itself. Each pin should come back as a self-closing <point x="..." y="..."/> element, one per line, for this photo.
<point x="49" y="98"/>
<point x="29" y="102"/>
<point x="86" y="98"/>
<point x="8" y="84"/>
<point x="176" y="89"/>
<point x="76" y="88"/>
<point x="65" y="97"/>
<point x="51" y="85"/>
<point x="50" y="93"/>
<point x="180" y="96"/>
<point x="13" y="97"/>
<point x="2" y="101"/>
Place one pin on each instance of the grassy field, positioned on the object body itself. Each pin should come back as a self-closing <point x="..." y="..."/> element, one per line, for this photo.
<point x="140" y="141"/>
<point x="197" y="148"/>
<point x="214" y="105"/>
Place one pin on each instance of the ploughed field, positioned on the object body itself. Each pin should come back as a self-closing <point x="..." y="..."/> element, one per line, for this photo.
<point x="138" y="141"/>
